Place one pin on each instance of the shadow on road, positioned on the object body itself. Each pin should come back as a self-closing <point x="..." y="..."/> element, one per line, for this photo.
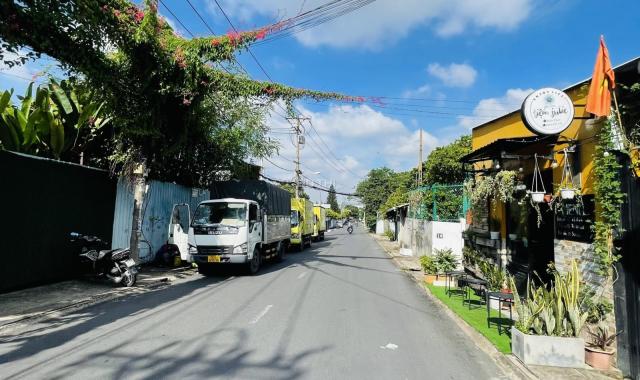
<point x="172" y="301"/>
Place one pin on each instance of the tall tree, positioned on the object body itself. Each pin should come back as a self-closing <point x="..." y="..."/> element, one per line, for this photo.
<point x="374" y="191"/>
<point x="332" y="199"/>
<point x="443" y="163"/>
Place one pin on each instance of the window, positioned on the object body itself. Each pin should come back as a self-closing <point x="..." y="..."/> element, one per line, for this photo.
<point x="253" y="213"/>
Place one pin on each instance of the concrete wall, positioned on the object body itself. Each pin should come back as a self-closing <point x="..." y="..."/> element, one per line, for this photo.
<point x="423" y="237"/>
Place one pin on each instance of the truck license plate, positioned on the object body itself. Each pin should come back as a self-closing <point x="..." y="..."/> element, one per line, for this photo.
<point x="213" y="259"/>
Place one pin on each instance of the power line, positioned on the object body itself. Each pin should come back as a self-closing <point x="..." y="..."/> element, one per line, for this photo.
<point x="309" y="186"/>
<point x="177" y="19"/>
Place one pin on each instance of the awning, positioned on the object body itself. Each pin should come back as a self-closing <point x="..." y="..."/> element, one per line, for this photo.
<point x="393" y="210"/>
<point x="522" y="146"/>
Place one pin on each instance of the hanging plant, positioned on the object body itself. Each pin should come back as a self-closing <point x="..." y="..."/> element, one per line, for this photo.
<point x="608" y="197"/>
<point x="537" y="185"/>
<point x="500" y="187"/>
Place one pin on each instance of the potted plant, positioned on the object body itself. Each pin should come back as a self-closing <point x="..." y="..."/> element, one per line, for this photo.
<point x="598" y="352"/>
<point x="549" y="322"/>
<point x="430" y="270"/>
<point x="537" y="191"/>
<point x="567" y="192"/>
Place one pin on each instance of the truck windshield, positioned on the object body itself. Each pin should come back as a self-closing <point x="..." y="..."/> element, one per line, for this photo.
<point x="230" y="214"/>
<point x="295" y="220"/>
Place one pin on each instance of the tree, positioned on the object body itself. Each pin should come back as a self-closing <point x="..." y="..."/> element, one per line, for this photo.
<point x="374" y="191"/>
<point x="291" y="187"/>
<point x="443" y="164"/>
<point x="175" y="108"/>
<point x="354" y="211"/>
<point x="332" y="199"/>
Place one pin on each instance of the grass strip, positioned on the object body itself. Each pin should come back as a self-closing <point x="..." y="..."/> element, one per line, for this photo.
<point x="477" y="317"/>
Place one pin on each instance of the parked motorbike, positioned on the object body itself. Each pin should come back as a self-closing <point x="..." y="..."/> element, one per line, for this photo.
<point x="96" y="257"/>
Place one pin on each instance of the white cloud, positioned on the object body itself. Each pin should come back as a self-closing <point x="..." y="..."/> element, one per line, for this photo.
<point x="360" y="137"/>
<point x="491" y="108"/>
<point x="425" y="89"/>
<point x="385" y="21"/>
<point x="454" y="75"/>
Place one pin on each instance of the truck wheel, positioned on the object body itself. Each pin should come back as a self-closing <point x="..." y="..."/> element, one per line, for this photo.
<point x="280" y="253"/>
<point x="309" y="242"/>
<point x="254" y="265"/>
<point x="300" y="247"/>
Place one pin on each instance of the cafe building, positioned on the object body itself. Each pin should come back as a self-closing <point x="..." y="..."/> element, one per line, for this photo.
<point x="549" y="144"/>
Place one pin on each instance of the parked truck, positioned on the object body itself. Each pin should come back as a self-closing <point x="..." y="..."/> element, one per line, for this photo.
<point x="301" y="223"/>
<point x="320" y="223"/>
<point x="245" y="222"/>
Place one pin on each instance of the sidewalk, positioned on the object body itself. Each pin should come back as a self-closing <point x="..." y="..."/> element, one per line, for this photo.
<point x="37" y="302"/>
<point x="511" y="366"/>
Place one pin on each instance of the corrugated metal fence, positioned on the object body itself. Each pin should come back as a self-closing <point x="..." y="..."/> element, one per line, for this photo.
<point x="156" y="213"/>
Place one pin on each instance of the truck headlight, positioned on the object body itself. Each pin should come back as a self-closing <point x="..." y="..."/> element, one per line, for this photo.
<point x="240" y="249"/>
<point x="193" y="250"/>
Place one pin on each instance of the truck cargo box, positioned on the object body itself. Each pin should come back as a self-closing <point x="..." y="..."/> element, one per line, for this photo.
<point x="272" y="198"/>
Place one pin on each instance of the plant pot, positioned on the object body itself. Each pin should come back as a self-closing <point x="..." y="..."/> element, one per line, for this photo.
<point x="430" y="278"/>
<point x="548" y="198"/>
<point x="597" y="358"/>
<point x="567" y="193"/>
<point x="537" y="196"/>
<point x="495" y="235"/>
<point x="548" y="350"/>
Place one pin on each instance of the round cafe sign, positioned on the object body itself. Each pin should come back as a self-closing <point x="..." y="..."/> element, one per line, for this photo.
<point x="547" y="111"/>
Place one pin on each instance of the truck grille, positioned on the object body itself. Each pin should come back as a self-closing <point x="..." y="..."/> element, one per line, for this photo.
<point x="214" y="249"/>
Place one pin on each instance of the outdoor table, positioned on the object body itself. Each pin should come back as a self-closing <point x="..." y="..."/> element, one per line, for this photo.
<point x="467" y="283"/>
<point x="503" y="298"/>
<point x="449" y="276"/>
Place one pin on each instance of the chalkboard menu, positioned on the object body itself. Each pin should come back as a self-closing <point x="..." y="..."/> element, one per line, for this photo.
<point x="574" y="219"/>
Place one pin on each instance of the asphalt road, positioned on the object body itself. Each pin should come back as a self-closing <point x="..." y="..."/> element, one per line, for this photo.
<point x="341" y="310"/>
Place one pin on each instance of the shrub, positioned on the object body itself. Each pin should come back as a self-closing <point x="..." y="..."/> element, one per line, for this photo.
<point x="428" y="265"/>
<point x="445" y="261"/>
<point x="390" y="235"/>
<point x="494" y="276"/>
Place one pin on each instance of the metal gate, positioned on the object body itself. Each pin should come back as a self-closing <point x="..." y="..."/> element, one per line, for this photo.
<point x="627" y="287"/>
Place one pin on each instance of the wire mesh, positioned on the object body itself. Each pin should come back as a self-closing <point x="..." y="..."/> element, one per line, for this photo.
<point x="445" y="203"/>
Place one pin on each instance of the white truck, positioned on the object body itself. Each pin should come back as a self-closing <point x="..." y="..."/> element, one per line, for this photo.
<point x="245" y="222"/>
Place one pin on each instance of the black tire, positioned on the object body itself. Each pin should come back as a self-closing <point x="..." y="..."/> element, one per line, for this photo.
<point x="280" y="253"/>
<point x="128" y="279"/>
<point x="253" y="266"/>
<point x="309" y="242"/>
<point x="300" y="247"/>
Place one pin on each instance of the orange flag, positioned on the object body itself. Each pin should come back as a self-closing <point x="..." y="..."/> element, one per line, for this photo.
<point x="603" y="81"/>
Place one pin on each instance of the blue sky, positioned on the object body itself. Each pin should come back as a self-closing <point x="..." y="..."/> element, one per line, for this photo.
<point x="448" y="65"/>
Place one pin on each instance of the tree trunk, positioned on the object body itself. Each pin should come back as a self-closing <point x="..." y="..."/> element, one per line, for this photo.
<point x="136" y="220"/>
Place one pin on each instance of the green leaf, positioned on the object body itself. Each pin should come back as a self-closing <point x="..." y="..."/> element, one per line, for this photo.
<point x="57" y="138"/>
<point x="60" y="98"/>
<point x="8" y="134"/>
<point x="27" y="100"/>
<point x="5" y="100"/>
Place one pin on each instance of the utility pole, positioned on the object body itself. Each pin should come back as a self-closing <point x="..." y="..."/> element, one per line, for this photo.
<point x="299" y="141"/>
<point x="420" y="161"/>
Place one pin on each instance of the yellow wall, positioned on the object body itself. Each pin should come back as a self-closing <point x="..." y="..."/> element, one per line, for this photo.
<point x="511" y="126"/>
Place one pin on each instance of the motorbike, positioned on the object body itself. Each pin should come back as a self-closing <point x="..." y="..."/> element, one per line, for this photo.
<point x="96" y="257"/>
<point x="350" y="229"/>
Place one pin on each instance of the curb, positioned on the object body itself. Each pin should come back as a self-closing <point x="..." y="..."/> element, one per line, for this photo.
<point x="508" y="364"/>
<point x="143" y="287"/>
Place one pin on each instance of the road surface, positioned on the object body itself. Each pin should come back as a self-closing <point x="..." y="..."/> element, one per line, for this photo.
<point x="341" y="310"/>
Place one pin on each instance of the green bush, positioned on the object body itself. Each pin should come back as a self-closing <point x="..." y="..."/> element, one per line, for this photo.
<point x="390" y="235"/>
<point x="445" y="261"/>
<point x="470" y="256"/>
<point x="494" y="276"/>
<point x="428" y="265"/>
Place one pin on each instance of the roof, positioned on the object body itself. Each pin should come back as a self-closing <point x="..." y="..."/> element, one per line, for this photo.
<point x="397" y="207"/>
<point x="522" y="145"/>
<point x="623" y="66"/>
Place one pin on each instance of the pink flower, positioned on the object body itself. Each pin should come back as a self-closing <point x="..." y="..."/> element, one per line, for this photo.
<point x="104" y="8"/>
<point x="138" y="16"/>
<point x="215" y="42"/>
<point x="234" y="37"/>
<point x="116" y="13"/>
<point x="186" y="102"/>
<point x="261" y="34"/>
